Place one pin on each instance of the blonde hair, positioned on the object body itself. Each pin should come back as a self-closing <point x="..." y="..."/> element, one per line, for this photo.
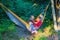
<point x="37" y="19"/>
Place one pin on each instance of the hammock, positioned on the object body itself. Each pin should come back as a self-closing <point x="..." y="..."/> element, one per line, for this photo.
<point x="17" y="20"/>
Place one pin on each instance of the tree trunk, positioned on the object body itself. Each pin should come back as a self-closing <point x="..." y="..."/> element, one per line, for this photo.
<point x="54" y="15"/>
<point x="59" y="20"/>
<point x="58" y="13"/>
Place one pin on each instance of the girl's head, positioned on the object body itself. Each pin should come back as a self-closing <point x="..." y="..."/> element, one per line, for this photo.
<point x="38" y="19"/>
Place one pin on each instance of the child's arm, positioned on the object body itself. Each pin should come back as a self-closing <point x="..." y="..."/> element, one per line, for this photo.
<point x="41" y="17"/>
<point x="35" y="22"/>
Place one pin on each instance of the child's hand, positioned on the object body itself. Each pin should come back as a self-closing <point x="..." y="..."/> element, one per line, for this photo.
<point x="35" y="22"/>
<point x="30" y="23"/>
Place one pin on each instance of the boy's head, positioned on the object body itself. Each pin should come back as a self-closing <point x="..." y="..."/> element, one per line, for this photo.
<point x="32" y="17"/>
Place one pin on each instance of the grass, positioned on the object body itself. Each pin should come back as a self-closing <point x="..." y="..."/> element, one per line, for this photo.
<point x="41" y="35"/>
<point x="21" y="38"/>
<point x="8" y="36"/>
<point x="43" y="38"/>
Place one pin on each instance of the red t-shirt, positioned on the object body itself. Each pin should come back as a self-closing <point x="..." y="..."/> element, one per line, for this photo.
<point x="37" y="24"/>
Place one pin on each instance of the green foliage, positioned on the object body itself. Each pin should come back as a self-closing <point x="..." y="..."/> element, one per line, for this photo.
<point x="42" y="38"/>
<point x="24" y="7"/>
<point x="11" y="27"/>
<point x="40" y="30"/>
<point x="21" y="38"/>
<point x="1" y="37"/>
<point x="6" y="25"/>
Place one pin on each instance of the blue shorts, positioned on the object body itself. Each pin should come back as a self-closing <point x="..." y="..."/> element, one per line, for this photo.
<point x="32" y="28"/>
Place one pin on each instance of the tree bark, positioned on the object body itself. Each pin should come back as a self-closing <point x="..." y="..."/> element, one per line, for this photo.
<point x="58" y="13"/>
<point x="59" y="20"/>
<point x="54" y="15"/>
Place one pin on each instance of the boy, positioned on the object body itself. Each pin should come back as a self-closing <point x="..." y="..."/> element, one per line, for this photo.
<point x="32" y="28"/>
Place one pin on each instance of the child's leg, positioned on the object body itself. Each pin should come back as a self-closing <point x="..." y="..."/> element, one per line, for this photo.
<point x="32" y="28"/>
<point x="34" y="32"/>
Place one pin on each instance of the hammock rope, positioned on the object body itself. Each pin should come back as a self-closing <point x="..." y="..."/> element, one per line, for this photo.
<point x="44" y="12"/>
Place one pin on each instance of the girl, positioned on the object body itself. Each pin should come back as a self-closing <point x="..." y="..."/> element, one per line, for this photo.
<point x="38" y="21"/>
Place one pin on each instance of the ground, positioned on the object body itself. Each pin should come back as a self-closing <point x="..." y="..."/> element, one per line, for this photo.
<point x="49" y="36"/>
<point x="21" y="34"/>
